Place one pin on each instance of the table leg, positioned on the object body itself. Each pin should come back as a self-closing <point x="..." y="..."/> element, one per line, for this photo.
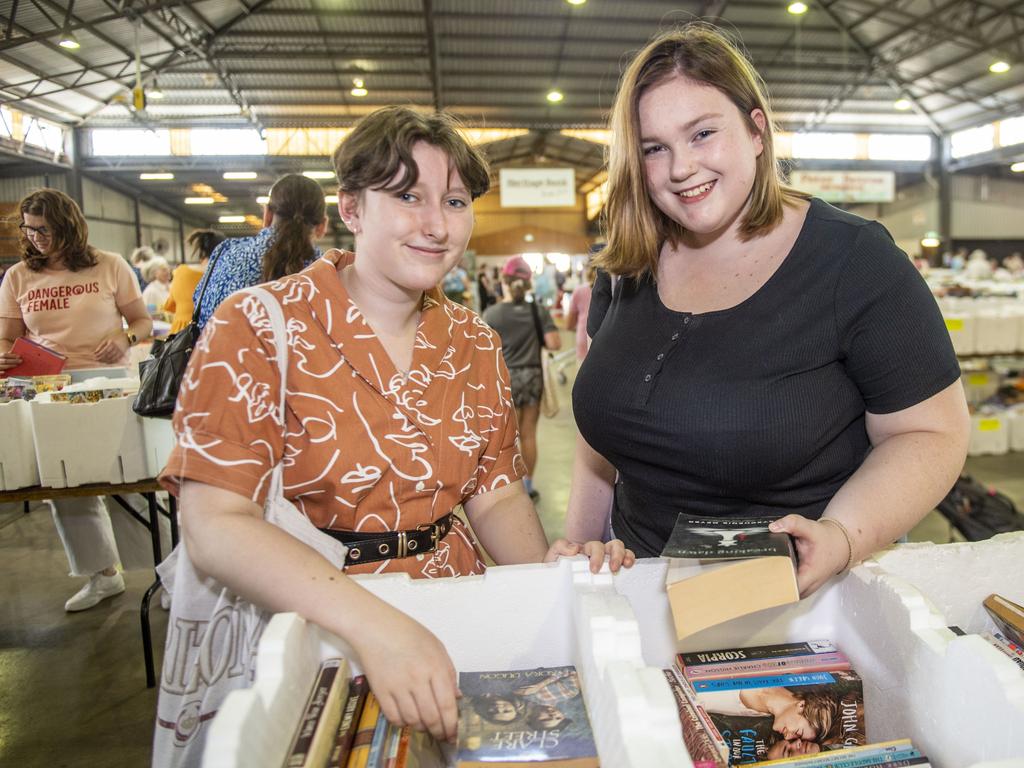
<point x="172" y="506"/>
<point x="147" y="637"/>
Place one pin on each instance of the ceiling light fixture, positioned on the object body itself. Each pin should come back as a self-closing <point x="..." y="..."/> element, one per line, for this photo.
<point x="156" y="177"/>
<point x="154" y="92"/>
<point x="575" y="2"/>
<point x="67" y="37"/>
<point x="231" y="220"/>
<point x="318" y="174"/>
<point x="263" y="199"/>
<point x="199" y="201"/>
<point x="930" y="241"/>
<point x="999" y="67"/>
<point x="555" y="96"/>
<point x="331" y="199"/>
<point x="902" y="104"/>
<point x="797" y="8"/>
<point x="360" y="88"/>
<point x="1017" y="167"/>
<point x="240" y="175"/>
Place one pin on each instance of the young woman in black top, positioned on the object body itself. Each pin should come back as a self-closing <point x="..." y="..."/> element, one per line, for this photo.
<point x="760" y="353"/>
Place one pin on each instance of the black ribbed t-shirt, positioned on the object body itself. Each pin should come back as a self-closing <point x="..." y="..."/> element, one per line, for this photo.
<point x="758" y="409"/>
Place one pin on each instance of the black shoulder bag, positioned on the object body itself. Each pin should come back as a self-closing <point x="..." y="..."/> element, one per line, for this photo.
<point x="161" y="373"/>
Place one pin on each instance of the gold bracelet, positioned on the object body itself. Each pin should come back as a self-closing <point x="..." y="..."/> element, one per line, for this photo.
<point x="849" y="542"/>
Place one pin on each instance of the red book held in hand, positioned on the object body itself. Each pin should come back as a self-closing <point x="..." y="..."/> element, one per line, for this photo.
<point x="36" y="360"/>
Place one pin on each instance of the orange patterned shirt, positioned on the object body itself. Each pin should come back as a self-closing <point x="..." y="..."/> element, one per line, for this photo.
<point x="364" y="448"/>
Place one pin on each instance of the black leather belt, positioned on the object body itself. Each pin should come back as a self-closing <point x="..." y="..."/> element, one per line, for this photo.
<point x="373" y="547"/>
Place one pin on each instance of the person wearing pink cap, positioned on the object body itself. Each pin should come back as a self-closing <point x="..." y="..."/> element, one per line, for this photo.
<point x="526" y="329"/>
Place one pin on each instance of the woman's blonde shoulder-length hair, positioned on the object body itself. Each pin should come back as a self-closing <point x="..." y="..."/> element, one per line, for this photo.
<point x="636" y="228"/>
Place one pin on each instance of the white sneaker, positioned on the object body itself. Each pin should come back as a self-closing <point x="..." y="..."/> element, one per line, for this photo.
<point x="99" y="587"/>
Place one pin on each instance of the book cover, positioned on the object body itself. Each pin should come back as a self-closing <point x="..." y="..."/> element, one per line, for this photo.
<point x="879" y="752"/>
<point x="821" y="655"/>
<point x="1007" y="615"/>
<point x="1011" y="650"/>
<point x="320" y="719"/>
<point x="349" y="722"/>
<point x="728" y="538"/>
<point x="774" y="716"/>
<point x="707" y="750"/>
<point x="36" y="360"/>
<point x="524" y="717"/>
<point x="380" y="731"/>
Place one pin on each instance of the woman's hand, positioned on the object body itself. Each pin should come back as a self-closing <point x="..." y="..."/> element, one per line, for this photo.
<point x="616" y="552"/>
<point x="410" y="673"/>
<point x="8" y="360"/>
<point x="822" y="549"/>
<point x="112" y="348"/>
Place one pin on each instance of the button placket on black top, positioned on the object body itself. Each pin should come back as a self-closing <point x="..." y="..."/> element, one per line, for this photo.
<point x="653" y="369"/>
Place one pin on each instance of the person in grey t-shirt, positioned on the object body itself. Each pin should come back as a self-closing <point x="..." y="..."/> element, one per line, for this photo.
<point x="514" y="319"/>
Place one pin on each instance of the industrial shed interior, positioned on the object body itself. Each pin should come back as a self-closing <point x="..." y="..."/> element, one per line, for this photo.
<point x="160" y="117"/>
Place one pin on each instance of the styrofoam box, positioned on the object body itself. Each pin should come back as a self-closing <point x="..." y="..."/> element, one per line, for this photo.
<point x="990" y="434"/>
<point x="1016" y="421"/>
<point x="994" y="332"/>
<point x="18" y="467"/>
<point x="158" y="439"/>
<point x="961" y="327"/>
<point x="958" y="699"/>
<point x="80" y="443"/>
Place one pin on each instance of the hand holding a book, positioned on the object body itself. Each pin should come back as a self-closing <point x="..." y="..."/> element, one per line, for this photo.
<point x="410" y="673"/>
<point x="822" y="549"/>
<point x="616" y="552"/>
<point x="8" y="360"/>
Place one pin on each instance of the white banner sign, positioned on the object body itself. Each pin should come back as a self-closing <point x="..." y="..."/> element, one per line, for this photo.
<point x="847" y="186"/>
<point x="537" y="187"/>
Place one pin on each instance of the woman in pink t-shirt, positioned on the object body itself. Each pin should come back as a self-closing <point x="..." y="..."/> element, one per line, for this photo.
<point x="75" y="300"/>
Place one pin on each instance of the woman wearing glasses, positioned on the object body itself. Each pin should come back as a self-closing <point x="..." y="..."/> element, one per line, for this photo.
<point x="76" y="300"/>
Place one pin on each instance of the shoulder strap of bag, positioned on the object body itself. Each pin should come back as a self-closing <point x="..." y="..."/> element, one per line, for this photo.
<point x="537" y="325"/>
<point x="205" y="282"/>
<point x="280" y="332"/>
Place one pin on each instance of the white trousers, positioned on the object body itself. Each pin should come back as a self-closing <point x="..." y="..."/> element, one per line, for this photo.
<point x="97" y="534"/>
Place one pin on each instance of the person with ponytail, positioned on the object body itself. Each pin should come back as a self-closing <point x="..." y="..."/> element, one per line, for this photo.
<point x="517" y="322"/>
<point x="293" y="220"/>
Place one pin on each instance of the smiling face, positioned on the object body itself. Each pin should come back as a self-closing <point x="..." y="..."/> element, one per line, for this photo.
<point x="39" y="233"/>
<point x="700" y="157"/>
<point x="407" y="241"/>
<point x="783" y="748"/>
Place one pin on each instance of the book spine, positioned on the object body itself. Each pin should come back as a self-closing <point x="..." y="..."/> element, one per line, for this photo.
<point x="402" y="754"/>
<point x="702" y="746"/>
<point x="728" y="655"/>
<point x="1007" y="616"/>
<point x="781" y="665"/>
<point x="360" y="752"/>
<point x="765" y="681"/>
<point x="1012" y="651"/>
<point x="881" y="753"/>
<point x="325" y="692"/>
<point x="349" y="722"/>
<point x="377" y="742"/>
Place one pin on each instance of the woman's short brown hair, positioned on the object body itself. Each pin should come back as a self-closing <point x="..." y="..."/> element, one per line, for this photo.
<point x="69" y="234"/>
<point x="703" y="54"/>
<point x="381" y="145"/>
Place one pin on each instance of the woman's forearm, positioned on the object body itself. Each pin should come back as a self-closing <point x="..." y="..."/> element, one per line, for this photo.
<point x="508" y="527"/>
<point x="900" y="481"/>
<point x="591" y="494"/>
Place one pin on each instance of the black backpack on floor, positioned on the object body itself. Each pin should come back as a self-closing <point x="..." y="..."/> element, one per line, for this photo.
<point x="979" y="511"/>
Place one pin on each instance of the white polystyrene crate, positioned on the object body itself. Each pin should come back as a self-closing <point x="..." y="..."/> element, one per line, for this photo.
<point x="18" y="467"/>
<point x="158" y="442"/>
<point x="1016" y="422"/>
<point x="979" y="385"/>
<point x="961" y="327"/>
<point x="81" y="443"/>
<point x="990" y="434"/>
<point x="994" y="332"/>
<point x="920" y="680"/>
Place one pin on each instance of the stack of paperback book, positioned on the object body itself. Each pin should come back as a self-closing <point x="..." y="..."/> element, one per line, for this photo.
<point x="748" y="705"/>
<point x="342" y="727"/>
<point x="1008" y="636"/>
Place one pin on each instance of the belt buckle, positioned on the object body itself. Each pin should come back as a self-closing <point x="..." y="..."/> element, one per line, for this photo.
<point x="435" y="532"/>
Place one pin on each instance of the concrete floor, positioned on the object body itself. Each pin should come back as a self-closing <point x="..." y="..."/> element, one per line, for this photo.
<point x="72" y="687"/>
